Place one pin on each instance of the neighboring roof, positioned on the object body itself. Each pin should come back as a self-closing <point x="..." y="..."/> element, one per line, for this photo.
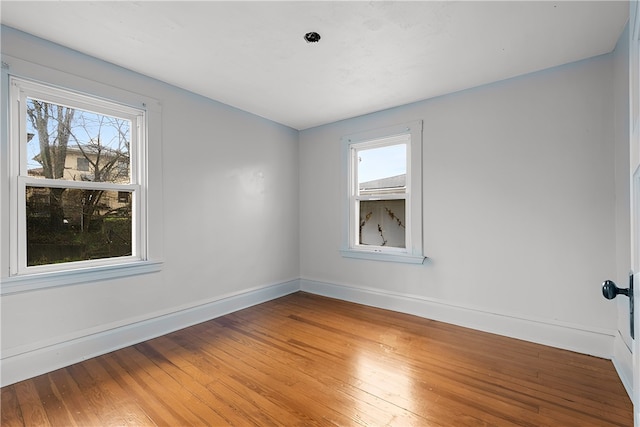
<point x="397" y="181"/>
<point x="36" y="172"/>
<point x="93" y="149"/>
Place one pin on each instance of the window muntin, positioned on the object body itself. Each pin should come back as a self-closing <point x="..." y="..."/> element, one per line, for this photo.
<point x="383" y="195"/>
<point x="67" y="216"/>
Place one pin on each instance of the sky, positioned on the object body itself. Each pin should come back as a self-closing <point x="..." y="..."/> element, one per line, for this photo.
<point x="382" y="162"/>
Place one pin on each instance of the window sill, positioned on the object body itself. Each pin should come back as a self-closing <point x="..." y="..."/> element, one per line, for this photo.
<point x="381" y="256"/>
<point x="31" y="282"/>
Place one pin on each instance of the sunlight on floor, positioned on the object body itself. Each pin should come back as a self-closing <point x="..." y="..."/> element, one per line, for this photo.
<point x="388" y="377"/>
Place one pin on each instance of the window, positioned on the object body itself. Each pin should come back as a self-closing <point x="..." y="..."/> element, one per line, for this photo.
<point x="78" y="170"/>
<point x="123" y="197"/>
<point x="383" y="194"/>
<point x="82" y="164"/>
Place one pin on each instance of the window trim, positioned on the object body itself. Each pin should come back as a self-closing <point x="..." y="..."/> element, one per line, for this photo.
<point x="413" y="252"/>
<point x="20" y="90"/>
<point x="150" y="200"/>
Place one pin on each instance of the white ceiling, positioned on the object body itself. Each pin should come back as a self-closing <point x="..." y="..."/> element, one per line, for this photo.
<point x="372" y="55"/>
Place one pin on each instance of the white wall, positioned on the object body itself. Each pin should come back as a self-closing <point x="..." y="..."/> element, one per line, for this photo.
<point x="519" y="217"/>
<point x="230" y="182"/>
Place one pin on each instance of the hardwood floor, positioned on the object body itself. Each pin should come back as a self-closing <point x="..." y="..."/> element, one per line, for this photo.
<point x="308" y="360"/>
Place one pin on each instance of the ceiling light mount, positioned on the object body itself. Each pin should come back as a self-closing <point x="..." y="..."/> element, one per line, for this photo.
<point x="312" y="37"/>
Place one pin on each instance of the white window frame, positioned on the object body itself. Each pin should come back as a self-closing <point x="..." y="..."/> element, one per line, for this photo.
<point x="58" y="87"/>
<point x="413" y="252"/>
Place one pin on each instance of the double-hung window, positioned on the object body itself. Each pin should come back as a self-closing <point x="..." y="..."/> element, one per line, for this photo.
<point x="383" y="197"/>
<point x="78" y="180"/>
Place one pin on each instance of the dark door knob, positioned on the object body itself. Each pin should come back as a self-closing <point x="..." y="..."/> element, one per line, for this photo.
<point x="610" y="290"/>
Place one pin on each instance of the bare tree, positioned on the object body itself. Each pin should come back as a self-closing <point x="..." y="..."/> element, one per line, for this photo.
<point x="109" y="160"/>
<point x="102" y="140"/>
<point x="46" y="117"/>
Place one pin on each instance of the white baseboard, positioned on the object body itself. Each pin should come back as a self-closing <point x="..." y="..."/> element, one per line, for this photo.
<point x="595" y="342"/>
<point x="623" y="362"/>
<point x="27" y="363"/>
<point x="39" y="358"/>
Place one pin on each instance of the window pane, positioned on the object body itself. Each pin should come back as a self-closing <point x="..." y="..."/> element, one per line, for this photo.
<point x="83" y="164"/>
<point x="382" y="223"/>
<point x="65" y="225"/>
<point x="382" y="170"/>
<point x="76" y="145"/>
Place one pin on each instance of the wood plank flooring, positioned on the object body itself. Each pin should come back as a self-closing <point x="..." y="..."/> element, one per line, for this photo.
<point x="306" y="360"/>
